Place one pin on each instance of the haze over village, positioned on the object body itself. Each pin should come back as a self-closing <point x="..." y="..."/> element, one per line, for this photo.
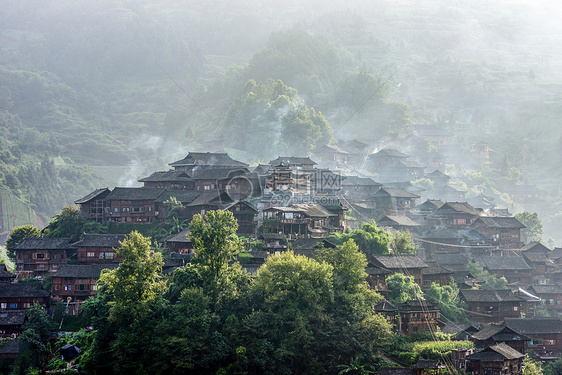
<point x="267" y="187"/>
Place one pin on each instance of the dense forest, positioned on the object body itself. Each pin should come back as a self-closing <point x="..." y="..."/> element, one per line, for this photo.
<point x="100" y="94"/>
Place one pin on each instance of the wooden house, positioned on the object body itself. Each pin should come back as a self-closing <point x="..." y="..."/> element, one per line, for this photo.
<point x="134" y="205"/>
<point x="439" y="178"/>
<point x="38" y="257"/>
<point x="75" y="283"/>
<point x="551" y="296"/>
<point x="11" y="322"/>
<point x="545" y="334"/>
<point x="99" y="248"/>
<point x="492" y="306"/>
<point x="390" y="201"/>
<point x="93" y="205"/>
<point x="403" y="170"/>
<point x="542" y="267"/>
<point x="357" y="152"/>
<point x="388" y="310"/>
<point x="331" y="156"/>
<point x="435" y="273"/>
<point x="436" y="135"/>
<point x="384" y="158"/>
<point x="21" y="296"/>
<point x="5" y="276"/>
<point x="493" y="334"/>
<point x="180" y="243"/>
<point x="291" y="175"/>
<point x="245" y="214"/>
<point x="171" y="180"/>
<point x="453" y="262"/>
<point x="454" y="214"/>
<point x="499" y="359"/>
<point x="513" y="268"/>
<point x="376" y="278"/>
<point x="417" y="316"/>
<point x="460" y="331"/>
<point x="454" y="240"/>
<point x="505" y="232"/>
<point x="407" y="264"/>
<point x="197" y="162"/>
<point x="358" y="188"/>
<point x="398" y="222"/>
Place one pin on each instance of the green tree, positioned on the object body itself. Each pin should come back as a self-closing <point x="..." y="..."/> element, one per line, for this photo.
<point x="67" y="223"/>
<point x="370" y="239"/>
<point x="403" y="243"/>
<point x="490" y="281"/>
<point x="216" y="245"/>
<point x="402" y="288"/>
<point x="134" y="286"/>
<point x="531" y="367"/>
<point x="446" y="298"/>
<point x="553" y="368"/>
<point x="533" y="231"/>
<point x="17" y="235"/>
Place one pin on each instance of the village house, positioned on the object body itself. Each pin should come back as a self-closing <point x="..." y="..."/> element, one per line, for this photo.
<point x="390" y="201"/>
<point x="460" y="331"/>
<point x="331" y="156"/>
<point x="75" y="283"/>
<point x="435" y="273"/>
<point x="384" y="158"/>
<point x="291" y="175"/>
<point x="358" y="188"/>
<point x="376" y="278"/>
<point x="454" y="214"/>
<point x="545" y="335"/>
<point x="409" y="265"/>
<point x="513" y="268"/>
<point x="133" y="205"/>
<point x="493" y="334"/>
<point x="505" y="232"/>
<point x="299" y="220"/>
<point x="417" y="316"/>
<point x="442" y="240"/>
<point x="39" y="257"/>
<point x="403" y="170"/>
<point x="551" y="296"/>
<point x="5" y="276"/>
<point x="11" y="322"/>
<point x="171" y="180"/>
<point x="197" y="162"/>
<point x="453" y="262"/>
<point x="179" y="243"/>
<point x="542" y="267"/>
<point x="98" y="248"/>
<point x="497" y="359"/>
<point x="398" y="222"/>
<point x="357" y="152"/>
<point x="21" y="296"/>
<point x="93" y="205"/>
<point x="436" y="135"/>
<point x="492" y="306"/>
<point x="439" y="178"/>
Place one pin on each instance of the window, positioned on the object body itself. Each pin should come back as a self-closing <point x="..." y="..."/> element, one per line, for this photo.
<point x="115" y="209"/>
<point x="415" y="329"/>
<point x="81" y="286"/>
<point x="505" y="308"/>
<point x="13" y="305"/>
<point x="149" y="208"/>
<point x="68" y="287"/>
<point x="57" y="287"/>
<point x="477" y="308"/>
<point x="106" y="255"/>
<point x="137" y="209"/>
<point x="515" y="308"/>
<point x="207" y="187"/>
<point x="3" y="306"/>
<point x="26" y="305"/>
<point x="90" y="254"/>
<point x="95" y="287"/>
<point x="40" y="255"/>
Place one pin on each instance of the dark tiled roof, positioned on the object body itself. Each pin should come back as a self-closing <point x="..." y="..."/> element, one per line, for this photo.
<point x="359" y="181"/>
<point x="35" y="289"/>
<point x="44" y="244"/>
<point x="389" y="220"/>
<point x="498" y="333"/>
<point x="497" y="352"/>
<point x="4" y="272"/>
<point x="12" y="317"/>
<point x="385" y="306"/>
<point x="545" y="289"/>
<point x="292" y="160"/>
<point x="460" y="234"/>
<point x="262" y="169"/>
<point x="500" y="222"/>
<point x="430" y="205"/>
<point x="91" y="271"/>
<point x="537" y="258"/>
<point x="435" y="268"/>
<point x="452" y="328"/>
<point x="413" y="189"/>
<point x="12" y="347"/>
<point x="397" y="371"/>
<point x="503" y="263"/>
<point x="400" y="261"/>
<point x="208" y="158"/>
<point x="311" y="244"/>
<point x="93" y="195"/>
<point x="167" y="176"/>
<point x="536" y="247"/>
<point x="377" y="271"/>
<point x="556" y="253"/>
<point x="436" y="174"/>
<point x="220" y="174"/>
<point x="485" y="295"/>
<point x="433" y="364"/>
<point x="455" y="207"/>
<point x="101" y="240"/>
<point x="534" y="326"/>
<point x="313" y="209"/>
<point x="451" y="259"/>
<point x="390" y="153"/>
<point x="134" y="194"/>
<point x="392" y="192"/>
<point x="329" y="149"/>
<point x="183" y="196"/>
<point x="415" y="305"/>
<point x="407" y="164"/>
